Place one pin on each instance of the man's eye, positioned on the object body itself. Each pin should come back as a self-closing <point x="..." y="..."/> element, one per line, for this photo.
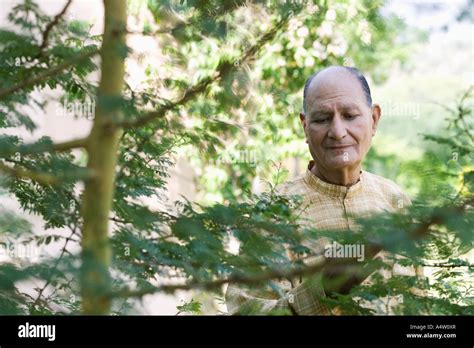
<point x="351" y="116"/>
<point x="320" y="120"/>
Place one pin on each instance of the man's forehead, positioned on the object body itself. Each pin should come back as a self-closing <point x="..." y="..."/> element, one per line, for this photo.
<point x="335" y="85"/>
<point x="340" y="104"/>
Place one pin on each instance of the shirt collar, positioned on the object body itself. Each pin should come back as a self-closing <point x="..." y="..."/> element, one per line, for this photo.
<point x="332" y="190"/>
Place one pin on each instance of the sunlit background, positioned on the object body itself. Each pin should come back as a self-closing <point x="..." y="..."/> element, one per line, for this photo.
<point x="432" y="66"/>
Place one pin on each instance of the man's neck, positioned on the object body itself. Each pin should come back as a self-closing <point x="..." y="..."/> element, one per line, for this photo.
<point x="344" y="176"/>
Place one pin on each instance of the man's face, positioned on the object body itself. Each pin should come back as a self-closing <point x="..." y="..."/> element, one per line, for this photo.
<point x="339" y="124"/>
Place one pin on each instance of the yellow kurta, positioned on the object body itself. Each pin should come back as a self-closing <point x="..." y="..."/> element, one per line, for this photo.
<point x="327" y="207"/>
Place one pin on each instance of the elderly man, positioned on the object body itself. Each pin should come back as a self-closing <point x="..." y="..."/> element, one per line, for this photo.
<point x="339" y="121"/>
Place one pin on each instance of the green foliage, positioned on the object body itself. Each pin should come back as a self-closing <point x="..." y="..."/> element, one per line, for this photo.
<point x="190" y="307"/>
<point x="232" y="132"/>
<point x="21" y="58"/>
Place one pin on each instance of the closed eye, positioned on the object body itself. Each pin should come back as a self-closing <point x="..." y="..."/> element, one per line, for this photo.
<point x="350" y="116"/>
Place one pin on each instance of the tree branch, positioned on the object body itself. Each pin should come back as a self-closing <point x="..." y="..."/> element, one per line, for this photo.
<point x="48" y="29"/>
<point x="438" y="217"/>
<point x="342" y="274"/>
<point x="46" y="74"/>
<point x="41" y="178"/>
<point x="209" y="285"/>
<point x="447" y="265"/>
<point x="71" y="144"/>
<point x="221" y="71"/>
<point x="30" y="149"/>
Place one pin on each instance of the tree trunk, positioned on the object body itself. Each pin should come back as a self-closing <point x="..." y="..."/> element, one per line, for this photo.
<point x="102" y="149"/>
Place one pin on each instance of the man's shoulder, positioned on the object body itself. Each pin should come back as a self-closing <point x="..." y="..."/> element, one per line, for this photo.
<point x="386" y="187"/>
<point x="292" y="187"/>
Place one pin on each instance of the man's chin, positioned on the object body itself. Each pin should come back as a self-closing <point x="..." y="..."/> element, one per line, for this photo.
<point x="338" y="164"/>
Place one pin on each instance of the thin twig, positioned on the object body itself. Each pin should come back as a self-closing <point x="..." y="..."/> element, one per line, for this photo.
<point x="48" y="29"/>
<point x="446" y="265"/>
<point x="461" y="113"/>
<point x="48" y="281"/>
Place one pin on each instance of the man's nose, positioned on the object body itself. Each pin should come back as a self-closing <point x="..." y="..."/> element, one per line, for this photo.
<point x="337" y="128"/>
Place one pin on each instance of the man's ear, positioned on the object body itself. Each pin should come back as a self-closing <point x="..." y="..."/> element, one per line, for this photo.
<point x="303" y="122"/>
<point x="303" y="119"/>
<point x="376" y="114"/>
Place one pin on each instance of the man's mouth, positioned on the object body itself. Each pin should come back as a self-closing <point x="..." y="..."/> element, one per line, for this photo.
<point x="339" y="147"/>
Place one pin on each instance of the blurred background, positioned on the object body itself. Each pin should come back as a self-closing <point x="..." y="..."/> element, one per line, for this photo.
<point x="418" y="57"/>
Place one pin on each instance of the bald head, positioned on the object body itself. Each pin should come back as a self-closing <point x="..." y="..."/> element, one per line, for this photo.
<point x="334" y="75"/>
